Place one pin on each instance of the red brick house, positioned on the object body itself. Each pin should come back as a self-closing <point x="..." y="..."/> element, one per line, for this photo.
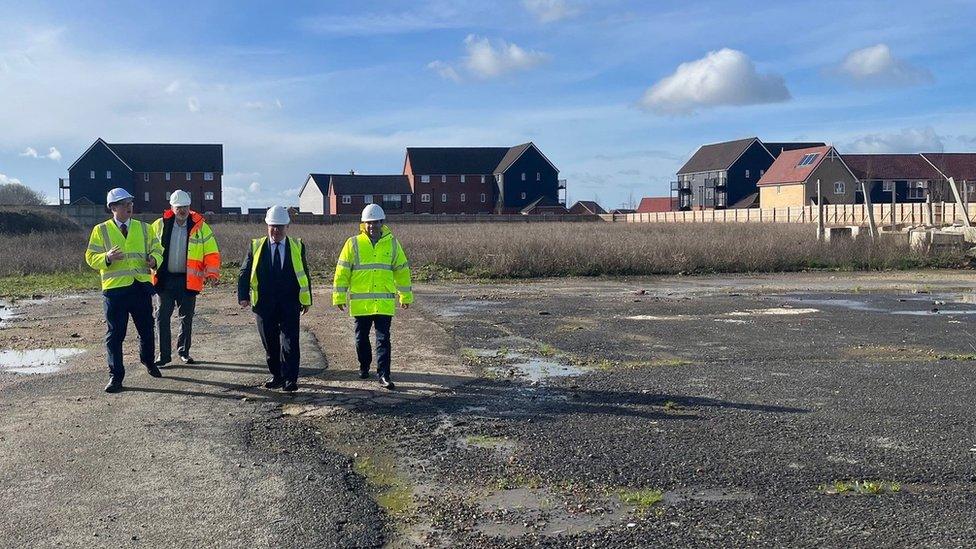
<point x="335" y="194"/>
<point x="150" y="172"/>
<point x="654" y="204"/>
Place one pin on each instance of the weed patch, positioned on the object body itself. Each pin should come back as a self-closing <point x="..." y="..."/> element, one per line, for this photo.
<point x="860" y="487"/>
<point x="641" y="499"/>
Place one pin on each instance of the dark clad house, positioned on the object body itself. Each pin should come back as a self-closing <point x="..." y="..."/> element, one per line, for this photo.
<point x="959" y="166"/>
<point x="150" y="172"/>
<point x="332" y="194"/>
<point x="909" y="176"/>
<point x="722" y="175"/>
<point x="480" y="179"/>
<point x="587" y="207"/>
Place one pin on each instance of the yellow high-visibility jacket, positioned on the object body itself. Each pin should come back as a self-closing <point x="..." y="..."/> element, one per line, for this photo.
<point x="202" y="256"/>
<point x="301" y="274"/>
<point x="141" y="244"/>
<point x="371" y="277"/>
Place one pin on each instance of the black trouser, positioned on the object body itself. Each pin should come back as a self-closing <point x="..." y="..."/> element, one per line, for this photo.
<point x="174" y="294"/>
<point x="120" y="303"/>
<point x="363" y="351"/>
<point x="278" y="326"/>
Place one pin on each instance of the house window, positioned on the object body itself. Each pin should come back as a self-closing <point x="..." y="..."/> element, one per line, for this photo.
<point x="167" y="195"/>
<point x="916" y="190"/>
<point x="888" y="186"/>
<point x="462" y="197"/>
<point x="838" y="187"/>
<point x="747" y="174"/>
<point x="425" y="198"/>
<point x="523" y="194"/>
<point x="538" y="176"/>
<point x="145" y="177"/>
<point x="208" y="196"/>
<point x="108" y="174"/>
<point x="523" y="176"/>
<point x="779" y="189"/>
<point x="187" y="176"/>
<point x="409" y="198"/>
<point x="425" y="179"/>
<point x="443" y="179"/>
<point x="208" y="176"/>
<point x="167" y="176"/>
<point x="482" y="179"/>
<point x="346" y="199"/>
<point x="91" y="174"/>
<point x="762" y="173"/>
<point x="368" y="199"/>
<point x="444" y="197"/>
<point x="483" y="197"/>
<point x="145" y="196"/>
<point x="462" y="179"/>
<point x="709" y="193"/>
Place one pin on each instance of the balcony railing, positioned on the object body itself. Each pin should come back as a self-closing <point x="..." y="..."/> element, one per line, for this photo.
<point x="561" y="184"/>
<point x="681" y="186"/>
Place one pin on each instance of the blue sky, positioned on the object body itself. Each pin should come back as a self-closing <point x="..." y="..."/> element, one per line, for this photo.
<point x="617" y="94"/>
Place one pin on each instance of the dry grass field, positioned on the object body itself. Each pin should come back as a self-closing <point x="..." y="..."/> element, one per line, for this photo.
<point x="512" y="250"/>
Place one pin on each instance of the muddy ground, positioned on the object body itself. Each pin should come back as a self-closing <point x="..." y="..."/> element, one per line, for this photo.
<point x="790" y="410"/>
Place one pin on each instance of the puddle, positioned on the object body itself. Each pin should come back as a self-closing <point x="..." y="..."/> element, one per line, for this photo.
<point x="672" y="497"/>
<point x="36" y="361"/>
<point x="535" y="369"/>
<point x="731" y="321"/>
<point x="851" y="304"/>
<point x="775" y="311"/>
<point x="522" y="511"/>
<point x="465" y="308"/>
<point x="9" y="310"/>
<point x="652" y="317"/>
<point x="937" y="312"/>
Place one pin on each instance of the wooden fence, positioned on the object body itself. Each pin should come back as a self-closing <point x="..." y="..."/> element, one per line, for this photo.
<point x="942" y="213"/>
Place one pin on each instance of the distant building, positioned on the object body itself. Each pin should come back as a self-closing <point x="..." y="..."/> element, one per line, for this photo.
<point x="150" y="172"/>
<point x="909" y="177"/>
<point x="333" y="194"/>
<point x="620" y="211"/>
<point x="544" y="205"/>
<point x="587" y="207"/>
<point x="792" y="179"/>
<point x="655" y="204"/>
<point x="230" y="210"/>
<point x="959" y="166"/>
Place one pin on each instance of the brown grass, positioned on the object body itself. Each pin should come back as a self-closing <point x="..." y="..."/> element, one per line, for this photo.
<point x="515" y="250"/>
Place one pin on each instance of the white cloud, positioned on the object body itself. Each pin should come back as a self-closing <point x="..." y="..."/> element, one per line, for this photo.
<point x="173" y="87"/>
<point x="548" y="11"/>
<point x="6" y="180"/>
<point x="53" y="154"/>
<point x="723" y="77"/>
<point x="193" y="104"/>
<point x="909" y="140"/>
<point x="445" y="70"/>
<point x="876" y="65"/>
<point x="486" y="59"/>
<point x="254" y="187"/>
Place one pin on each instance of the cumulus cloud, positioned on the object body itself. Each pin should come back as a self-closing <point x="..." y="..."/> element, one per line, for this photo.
<point x="548" y="11"/>
<point x="254" y="187"/>
<point x="173" y="87"/>
<point x="723" y="77"/>
<point x="193" y="104"/>
<point x="876" y="65"/>
<point x="909" y="140"/>
<point x="7" y="180"/>
<point x="53" y="154"/>
<point x="487" y="59"/>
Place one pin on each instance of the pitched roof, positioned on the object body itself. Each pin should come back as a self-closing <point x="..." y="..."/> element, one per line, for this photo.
<point x="170" y="157"/>
<point x="511" y="156"/>
<point x="787" y="169"/>
<point x="716" y="156"/>
<point x="651" y="204"/>
<point x="589" y="206"/>
<point x="543" y="202"/>
<point x="455" y="160"/>
<point x="749" y="201"/>
<point x="361" y="184"/>
<point x="890" y="166"/>
<point x="776" y="147"/>
<point x="961" y="166"/>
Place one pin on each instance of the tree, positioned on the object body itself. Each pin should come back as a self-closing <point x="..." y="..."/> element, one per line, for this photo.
<point x="15" y="194"/>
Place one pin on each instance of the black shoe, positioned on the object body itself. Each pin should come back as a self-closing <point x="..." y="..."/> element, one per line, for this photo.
<point x="161" y="362"/>
<point x="290" y="386"/>
<point x="274" y="383"/>
<point x="113" y="386"/>
<point x="386" y="383"/>
<point x="363" y="374"/>
<point x="154" y="371"/>
<point x="187" y="359"/>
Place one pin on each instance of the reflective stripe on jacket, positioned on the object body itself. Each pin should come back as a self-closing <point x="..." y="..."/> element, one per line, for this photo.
<point x="371" y="277"/>
<point x="202" y="256"/>
<point x="304" y="291"/>
<point x="141" y="244"/>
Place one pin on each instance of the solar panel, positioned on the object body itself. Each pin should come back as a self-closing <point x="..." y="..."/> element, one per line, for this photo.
<point x="808" y="159"/>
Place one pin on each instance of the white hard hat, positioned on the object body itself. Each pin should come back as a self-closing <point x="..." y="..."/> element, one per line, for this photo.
<point x="179" y="198"/>
<point x="277" y="215"/>
<point x="373" y="212"/>
<point x="117" y="194"/>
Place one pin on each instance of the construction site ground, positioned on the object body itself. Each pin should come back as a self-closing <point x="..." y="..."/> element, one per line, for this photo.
<point x="809" y="409"/>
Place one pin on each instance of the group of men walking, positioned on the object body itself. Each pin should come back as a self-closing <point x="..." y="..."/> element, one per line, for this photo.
<point x="173" y="258"/>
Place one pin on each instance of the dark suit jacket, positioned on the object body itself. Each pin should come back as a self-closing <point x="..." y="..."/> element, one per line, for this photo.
<point x="271" y="290"/>
<point x="162" y="272"/>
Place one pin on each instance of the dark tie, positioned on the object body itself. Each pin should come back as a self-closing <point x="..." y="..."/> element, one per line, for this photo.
<point x="125" y="230"/>
<point x="276" y="262"/>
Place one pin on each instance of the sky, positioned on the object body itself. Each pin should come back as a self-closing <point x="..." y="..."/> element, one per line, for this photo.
<point x="617" y="94"/>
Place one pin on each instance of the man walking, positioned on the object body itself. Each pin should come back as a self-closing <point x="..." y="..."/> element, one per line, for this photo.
<point x="274" y="282"/>
<point x="190" y="257"/>
<point x="123" y="250"/>
<point x="371" y="272"/>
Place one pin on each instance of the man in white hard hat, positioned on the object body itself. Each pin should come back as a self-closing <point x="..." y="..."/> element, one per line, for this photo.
<point x="274" y="282"/>
<point x="190" y="257"/>
<point x="123" y="250"/>
<point x="372" y="272"/>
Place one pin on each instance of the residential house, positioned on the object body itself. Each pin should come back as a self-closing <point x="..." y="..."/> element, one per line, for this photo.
<point x="655" y="204"/>
<point x="587" y="207"/>
<point x="333" y="194"/>
<point x="453" y="180"/>
<point x="792" y="179"/>
<point x="150" y="172"/>
<point x="896" y="178"/>
<point x="961" y="167"/>
<point x="544" y="205"/>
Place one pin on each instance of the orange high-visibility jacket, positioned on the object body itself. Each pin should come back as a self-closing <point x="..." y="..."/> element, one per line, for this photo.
<point x="202" y="256"/>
